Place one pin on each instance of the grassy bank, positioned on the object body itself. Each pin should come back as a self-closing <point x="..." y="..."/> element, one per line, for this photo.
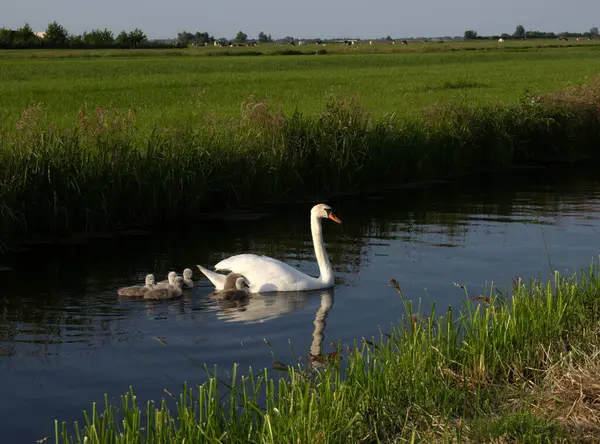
<point x="519" y="367"/>
<point x="102" y="173"/>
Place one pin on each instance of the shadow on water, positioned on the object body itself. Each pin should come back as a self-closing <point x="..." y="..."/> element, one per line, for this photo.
<point x="66" y="338"/>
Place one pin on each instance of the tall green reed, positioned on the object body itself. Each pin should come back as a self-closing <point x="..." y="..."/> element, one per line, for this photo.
<point x="103" y="172"/>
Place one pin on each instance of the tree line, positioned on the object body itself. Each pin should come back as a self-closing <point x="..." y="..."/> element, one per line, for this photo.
<point x="56" y="36"/>
<point x="521" y="33"/>
<point x="186" y="38"/>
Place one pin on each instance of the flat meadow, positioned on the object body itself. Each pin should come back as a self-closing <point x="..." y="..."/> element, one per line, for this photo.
<point x="165" y="87"/>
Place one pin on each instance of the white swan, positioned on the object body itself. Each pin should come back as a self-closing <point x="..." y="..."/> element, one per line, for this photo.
<point x="265" y="274"/>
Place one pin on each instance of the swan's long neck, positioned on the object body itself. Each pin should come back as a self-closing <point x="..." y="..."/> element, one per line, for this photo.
<point x="325" y="270"/>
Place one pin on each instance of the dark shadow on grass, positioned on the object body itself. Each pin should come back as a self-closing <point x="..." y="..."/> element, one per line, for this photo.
<point x="455" y="84"/>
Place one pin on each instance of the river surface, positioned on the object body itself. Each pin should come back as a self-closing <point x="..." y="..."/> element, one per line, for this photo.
<point x="66" y="339"/>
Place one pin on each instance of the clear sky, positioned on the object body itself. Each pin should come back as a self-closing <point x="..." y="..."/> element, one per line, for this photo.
<point x="305" y="18"/>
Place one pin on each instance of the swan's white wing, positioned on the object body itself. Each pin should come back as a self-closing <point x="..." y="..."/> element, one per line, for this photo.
<point x="265" y="274"/>
<point x="218" y="280"/>
<point x="237" y="260"/>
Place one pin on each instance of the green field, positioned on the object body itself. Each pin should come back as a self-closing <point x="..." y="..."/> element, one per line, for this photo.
<point x="167" y="88"/>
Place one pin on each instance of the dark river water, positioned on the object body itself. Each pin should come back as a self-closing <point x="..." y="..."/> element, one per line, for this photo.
<point x="66" y="339"/>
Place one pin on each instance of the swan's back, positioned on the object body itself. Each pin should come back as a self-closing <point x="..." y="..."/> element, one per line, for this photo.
<point x="265" y="274"/>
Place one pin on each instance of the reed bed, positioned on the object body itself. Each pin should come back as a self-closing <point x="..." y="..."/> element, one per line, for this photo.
<point x="519" y="366"/>
<point x="100" y="173"/>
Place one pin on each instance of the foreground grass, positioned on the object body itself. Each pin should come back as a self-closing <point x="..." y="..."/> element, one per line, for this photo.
<point x="102" y="173"/>
<point x="520" y="367"/>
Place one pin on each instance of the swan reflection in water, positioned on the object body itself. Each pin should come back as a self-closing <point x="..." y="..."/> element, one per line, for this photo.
<point x="316" y="347"/>
<point x="262" y="307"/>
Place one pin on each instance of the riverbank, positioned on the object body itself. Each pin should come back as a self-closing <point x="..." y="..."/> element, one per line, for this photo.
<point x="101" y="174"/>
<point x="515" y="367"/>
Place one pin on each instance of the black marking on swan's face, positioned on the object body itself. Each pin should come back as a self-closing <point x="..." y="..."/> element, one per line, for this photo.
<point x="330" y="215"/>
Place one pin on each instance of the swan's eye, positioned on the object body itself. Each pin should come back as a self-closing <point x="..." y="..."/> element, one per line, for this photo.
<point x="327" y="211"/>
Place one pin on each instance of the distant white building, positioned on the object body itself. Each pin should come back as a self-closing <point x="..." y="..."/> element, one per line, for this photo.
<point x="41" y="34"/>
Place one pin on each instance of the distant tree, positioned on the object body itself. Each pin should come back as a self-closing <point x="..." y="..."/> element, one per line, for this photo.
<point x="594" y="31"/>
<point x="185" y="38"/>
<point x="540" y="35"/>
<point x="202" y="37"/>
<point x="107" y="37"/>
<point x="123" y="38"/>
<point x="76" y="41"/>
<point x="7" y="37"/>
<point x="264" y="38"/>
<point x="519" y="32"/>
<point x="56" y="34"/>
<point x="289" y="39"/>
<point x="26" y="35"/>
<point x="389" y="38"/>
<point x="470" y="34"/>
<point x="505" y="36"/>
<point x="99" y="39"/>
<point x="137" y="37"/>
<point x="241" y="37"/>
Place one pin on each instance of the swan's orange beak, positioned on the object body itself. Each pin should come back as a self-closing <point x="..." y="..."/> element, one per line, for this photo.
<point x="334" y="218"/>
